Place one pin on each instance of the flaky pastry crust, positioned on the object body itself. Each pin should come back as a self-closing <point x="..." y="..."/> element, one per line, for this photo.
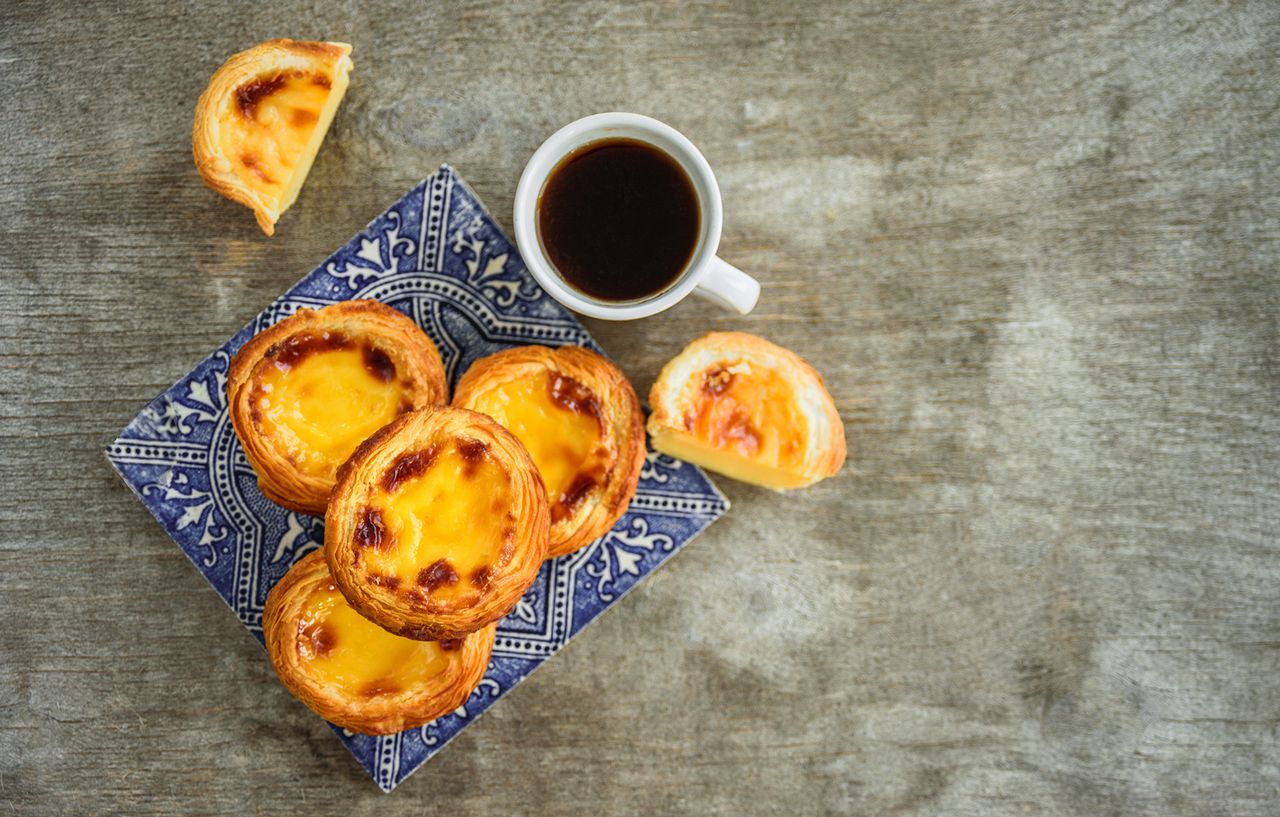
<point x="686" y="392"/>
<point x="495" y="504"/>
<point x="383" y="708"/>
<point x="398" y="350"/>
<point x="228" y="103"/>
<point x="584" y="382"/>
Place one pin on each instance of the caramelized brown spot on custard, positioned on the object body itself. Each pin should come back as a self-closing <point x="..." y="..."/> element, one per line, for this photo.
<point x="717" y="380"/>
<point x="473" y="453"/>
<point x="389" y="582"/>
<point x="437" y="574"/>
<point x="302" y="118"/>
<point x="315" y="639"/>
<point x="409" y="466"/>
<point x="378" y="363"/>
<point x="571" y="395"/>
<point x="451" y="644"/>
<point x="251" y="93"/>
<point x="370" y="530"/>
<point x="321" y="80"/>
<point x="725" y="417"/>
<point x="405" y="407"/>
<point x="380" y="686"/>
<point x="472" y="450"/>
<point x="288" y="352"/>
<point x="482" y="577"/>
<point x="572" y="496"/>
<point x="250" y="161"/>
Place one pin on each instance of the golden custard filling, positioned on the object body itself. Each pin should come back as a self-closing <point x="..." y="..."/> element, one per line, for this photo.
<point x="557" y="420"/>
<point x="318" y="396"/>
<point x="277" y="124"/>
<point x="743" y="422"/>
<point x="440" y="524"/>
<point x="343" y="649"/>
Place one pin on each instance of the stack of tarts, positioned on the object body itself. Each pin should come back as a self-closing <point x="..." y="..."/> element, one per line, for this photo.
<point x="437" y="517"/>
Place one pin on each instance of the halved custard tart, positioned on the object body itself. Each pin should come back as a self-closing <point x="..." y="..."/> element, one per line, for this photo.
<point x="354" y="673"/>
<point x="438" y="524"/>
<point x="304" y="393"/>
<point x="581" y="422"/>
<point x="749" y="409"/>
<point x="261" y="120"/>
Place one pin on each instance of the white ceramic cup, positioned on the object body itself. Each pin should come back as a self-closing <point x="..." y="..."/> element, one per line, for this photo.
<point x="705" y="274"/>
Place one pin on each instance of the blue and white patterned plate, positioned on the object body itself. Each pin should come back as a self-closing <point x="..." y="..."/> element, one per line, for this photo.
<point x="437" y="256"/>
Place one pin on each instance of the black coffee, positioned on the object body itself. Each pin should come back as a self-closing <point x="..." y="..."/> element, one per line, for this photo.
<point x="619" y="219"/>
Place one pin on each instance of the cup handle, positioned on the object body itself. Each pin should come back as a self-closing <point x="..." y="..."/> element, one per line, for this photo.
<point x="729" y="287"/>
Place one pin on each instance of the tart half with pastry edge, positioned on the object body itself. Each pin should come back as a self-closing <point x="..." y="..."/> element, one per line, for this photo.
<point x="305" y="392"/>
<point x="354" y="673"/>
<point x="438" y="524"/>
<point x="261" y="120"/>
<point x="749" y="409"/>
<point x="580" y="420"/>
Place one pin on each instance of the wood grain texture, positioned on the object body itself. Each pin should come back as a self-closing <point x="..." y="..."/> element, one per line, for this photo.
<point x="1032" y="246"/>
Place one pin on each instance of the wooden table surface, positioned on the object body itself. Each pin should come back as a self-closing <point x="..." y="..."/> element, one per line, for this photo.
<point x="1031" y="245"/>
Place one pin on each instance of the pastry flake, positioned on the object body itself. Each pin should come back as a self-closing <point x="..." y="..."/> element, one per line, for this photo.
<point x="749" y="409"/>
<point x="580" y="420"/>
<point x="354" y="673"/>
<point x="305" y="392"/>
<point x="438" y="524"/>
<point x="261" y="120"/>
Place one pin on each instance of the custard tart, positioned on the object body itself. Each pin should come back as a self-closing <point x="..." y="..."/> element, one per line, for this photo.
<point x="260" y="123"/>
<point x="304" y="393"/>
<point x="581" y="422"/>
<point x="749" y="409"/>
<point x="354" y="673"/>
<point x="438" y="524"/>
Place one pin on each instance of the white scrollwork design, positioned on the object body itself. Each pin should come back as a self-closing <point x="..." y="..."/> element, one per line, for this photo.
<point x="487" y="273"/>
<point x="380" y="255"/>
<point x="429" y="733"/>
<point x="202" y="403"/>
<point x="524" y="611"/>
<point x="197" y="510"/>
<point x="618" y="555"/>
<point x="478" y="694"/>
<point x="656" y="467"/>
<point x="299" y="537"/>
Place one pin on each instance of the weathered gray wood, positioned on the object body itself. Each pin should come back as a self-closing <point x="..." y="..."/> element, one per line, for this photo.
<point x="1031" y="245"/>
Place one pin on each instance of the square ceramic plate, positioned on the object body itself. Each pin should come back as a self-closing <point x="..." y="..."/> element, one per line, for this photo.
<point x="437" y="256"/>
